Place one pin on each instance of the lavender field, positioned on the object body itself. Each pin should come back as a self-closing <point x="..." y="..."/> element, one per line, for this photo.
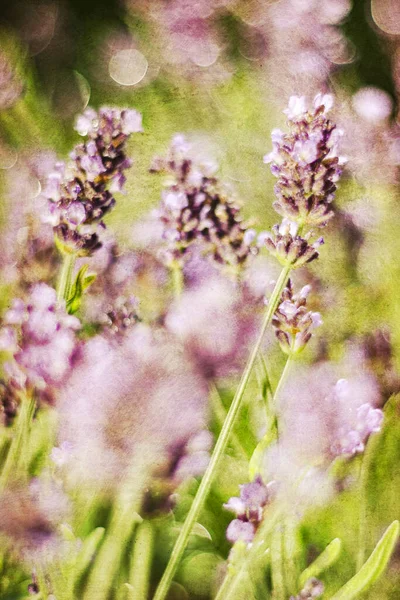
<point x="199" y="307"/>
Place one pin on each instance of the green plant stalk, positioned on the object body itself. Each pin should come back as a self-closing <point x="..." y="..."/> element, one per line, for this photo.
<point x="65" y="279"/>
<point x="221" y="444"/>
<point x="125" y="517"/>
<point x="363" y="500"/>
<point x="177" y="279"/>
<point x="266" y="388"/>
<point x="277" y="563"/>
<point x="220" y="415"/>
<point x="15" y="463"/>
<point x="139" y="575"/>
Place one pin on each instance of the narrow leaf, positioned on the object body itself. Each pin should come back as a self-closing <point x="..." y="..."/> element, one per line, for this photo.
<point x="373" y="568"/>
<point x="82" y="282"/>
<point x="88" y="551"/>
<point x="324" y="560"/>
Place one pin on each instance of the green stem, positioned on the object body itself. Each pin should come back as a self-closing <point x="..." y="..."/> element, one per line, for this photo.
<point x="363" y="499"/>
<point x="220" y="446"/>
<point x="65" y="280"/>
<point x="220" y="415"/>
<point x="123" y="521"/>
<point x="139" y="575"/>
<point x="16" y="462"/>
<point x="277" y="570"/>
<point x="177" y="279"/>
<point x="290" y="553"/>
<point x="267" y="388"/>
<point x="279" y="388"/>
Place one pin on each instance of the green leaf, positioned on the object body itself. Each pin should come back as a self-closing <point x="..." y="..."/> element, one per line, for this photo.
<point x="373" y="568"/>
<point x="324" y="560"/>
<point x="82" y="282"/>
<point x="255" y="464"/>
<point x="88" y="550"/>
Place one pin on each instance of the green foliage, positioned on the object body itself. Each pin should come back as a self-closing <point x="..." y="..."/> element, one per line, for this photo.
<point x="373" y="568"/>
<point x="81" y="283"/>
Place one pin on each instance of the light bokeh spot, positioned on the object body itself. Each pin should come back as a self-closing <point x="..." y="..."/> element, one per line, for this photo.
<point x="128" y="67"/>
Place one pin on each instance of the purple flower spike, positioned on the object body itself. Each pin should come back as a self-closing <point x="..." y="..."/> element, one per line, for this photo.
<point x="306" y="163"/>
<point x="80" y="193"/>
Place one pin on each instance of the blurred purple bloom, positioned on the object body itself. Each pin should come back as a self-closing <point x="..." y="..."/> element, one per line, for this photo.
<point x="197" y="208"/>
<point x="40" y="335"/>
<point x="140" y="400"/>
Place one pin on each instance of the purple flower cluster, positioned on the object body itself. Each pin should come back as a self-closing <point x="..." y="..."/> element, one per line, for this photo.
<point x="40" y="336"/>
<point x="249" y="509"/>
<point x="80" y="193"/>
<point x="288" y="247"/>
<point x="292" y="322"/>
<point x="306" y="162"/>
<point x="197" y="208"/>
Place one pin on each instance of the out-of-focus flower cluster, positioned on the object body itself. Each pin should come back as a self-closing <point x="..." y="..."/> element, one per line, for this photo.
<point x="141" y="401"/>
<point x="215" y="321"/>
<point x="197" y="209"/>
<point x="80" y="192"/>
<point x="110" y="303"/>
<point x="41" y="338"/>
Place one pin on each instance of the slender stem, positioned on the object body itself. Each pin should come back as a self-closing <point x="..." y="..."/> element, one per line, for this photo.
<point x="65" y="279"/>
<point x="220" y="415"/>
<point x="124" y="519"/>
<point x="15" y="463"/>
<point x="279" y="388"/>
<point x="277" y="570"/>
<point x="363" y="499"/>
<point x="141" y="562"/>
<point x="224" y="587"/>
<point x="177" y="279"/>
<point x="220" y="446"/>
<point x="290" y="553"/>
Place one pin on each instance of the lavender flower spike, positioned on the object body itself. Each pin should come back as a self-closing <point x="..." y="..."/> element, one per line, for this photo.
<point x="80" y="192"/>
<point x="306" y="163"/>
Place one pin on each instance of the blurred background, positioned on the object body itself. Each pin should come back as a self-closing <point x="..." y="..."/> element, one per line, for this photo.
<point x="221" y="71"/>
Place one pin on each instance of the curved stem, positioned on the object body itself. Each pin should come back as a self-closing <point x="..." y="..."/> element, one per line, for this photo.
<point x="65" y="278"/>
<point x="220" y="446"/>
<point x="141" y="562"/>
